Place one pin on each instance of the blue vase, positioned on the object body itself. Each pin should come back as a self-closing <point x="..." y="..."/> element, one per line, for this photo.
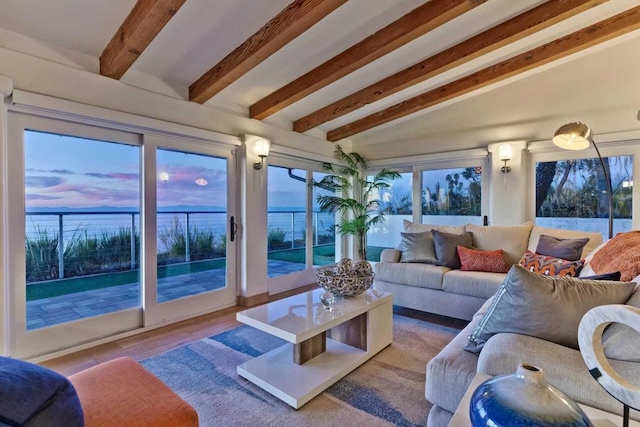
<point x="523" y="399"/>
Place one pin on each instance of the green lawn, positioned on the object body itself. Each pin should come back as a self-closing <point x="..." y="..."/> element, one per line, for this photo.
<point x="322" y="255"/>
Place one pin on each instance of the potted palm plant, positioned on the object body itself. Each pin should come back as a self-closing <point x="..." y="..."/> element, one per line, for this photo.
<point x="353" y="196"/>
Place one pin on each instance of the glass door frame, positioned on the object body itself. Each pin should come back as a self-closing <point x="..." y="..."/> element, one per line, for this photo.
<point x="155" y="313"/>
<point x="27" y="343"/>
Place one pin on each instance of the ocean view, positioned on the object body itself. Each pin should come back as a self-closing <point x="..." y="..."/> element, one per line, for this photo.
<point x="96" y="222"/>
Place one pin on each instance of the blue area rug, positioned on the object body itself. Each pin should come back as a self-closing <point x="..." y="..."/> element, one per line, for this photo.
<point x="386" y="390"/>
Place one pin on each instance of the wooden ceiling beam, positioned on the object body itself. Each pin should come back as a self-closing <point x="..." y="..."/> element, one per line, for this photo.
<point x="517" y="28"/>
<point x="138" y="30"/>
<point x="411" y="26"/>
<point x="587" y="37"/>
<point x="292" y="21"/>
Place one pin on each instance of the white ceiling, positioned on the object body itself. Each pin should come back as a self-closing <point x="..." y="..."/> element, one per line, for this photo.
<point x="599" y="85"/>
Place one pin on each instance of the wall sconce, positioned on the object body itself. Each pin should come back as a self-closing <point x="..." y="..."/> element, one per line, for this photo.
<point x="505" y="154"/>
<point x="261" y="149"/>
<point x="164" y="177"/>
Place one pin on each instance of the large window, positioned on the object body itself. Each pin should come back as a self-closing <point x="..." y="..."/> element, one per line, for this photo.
<point x="82" y="229"/>
<point x="286" y="221"/>
<point x="397" y="204"/>
<point x="572" y="194"/>
<point x="452" y="196"/>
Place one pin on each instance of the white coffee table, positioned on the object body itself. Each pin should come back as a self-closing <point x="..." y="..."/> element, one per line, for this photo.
<point x="598" y="418"/>
<point x="323" y="345"/>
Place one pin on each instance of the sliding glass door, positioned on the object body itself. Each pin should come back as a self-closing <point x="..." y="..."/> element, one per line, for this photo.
<point x="192" y="193"/>
<point x="112" y="231"/>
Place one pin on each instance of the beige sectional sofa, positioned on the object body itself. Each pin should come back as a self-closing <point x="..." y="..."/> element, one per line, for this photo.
<point x="468" y="295"/>
<point x="456" y="293"/>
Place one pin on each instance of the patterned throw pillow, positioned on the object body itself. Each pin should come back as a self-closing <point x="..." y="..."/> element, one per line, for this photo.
<point x="476" y="260"/>
<point x="550" y="266"/>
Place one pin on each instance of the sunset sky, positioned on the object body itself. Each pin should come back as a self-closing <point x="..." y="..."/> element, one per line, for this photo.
<point x="62" y="171"/>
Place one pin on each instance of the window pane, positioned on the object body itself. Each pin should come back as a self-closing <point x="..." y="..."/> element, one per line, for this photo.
<point x="572" y="194"/>
<point x="287" y="220"/>
<point x="192" y="201"/>
<point x="324" y="240"/>
<point x="82" y="200"/>
<point x="397" y="204"/>
<point x="452" y="196"/>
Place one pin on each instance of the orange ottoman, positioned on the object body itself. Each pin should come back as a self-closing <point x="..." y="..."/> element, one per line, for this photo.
<point x="122" y="393"/>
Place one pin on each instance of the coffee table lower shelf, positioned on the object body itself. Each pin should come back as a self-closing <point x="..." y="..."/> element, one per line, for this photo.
<point x="276" y="373"/>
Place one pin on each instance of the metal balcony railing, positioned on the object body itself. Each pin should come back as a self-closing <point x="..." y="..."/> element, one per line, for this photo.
<point x="51" y="233"/>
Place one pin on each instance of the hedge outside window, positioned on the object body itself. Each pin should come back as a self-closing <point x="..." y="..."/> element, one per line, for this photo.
<point x="572" y="194"/>
<point x="452" y="196"/>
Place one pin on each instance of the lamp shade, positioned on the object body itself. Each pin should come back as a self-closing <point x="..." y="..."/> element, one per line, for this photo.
<point x="261" y="147"/>
<point x="504" y="152"/>
<point x="573" y="136"/>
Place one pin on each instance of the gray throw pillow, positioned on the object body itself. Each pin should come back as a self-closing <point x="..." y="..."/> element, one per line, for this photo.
<point x="545" y="307"/>
<point x="446" y="245"/>
<point x="417" y="247"/>
<point x="569" y="249"/>
<point x="621" y="341"/>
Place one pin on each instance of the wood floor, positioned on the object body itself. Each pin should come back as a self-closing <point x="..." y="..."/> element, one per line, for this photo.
<point x="158" y="341"/>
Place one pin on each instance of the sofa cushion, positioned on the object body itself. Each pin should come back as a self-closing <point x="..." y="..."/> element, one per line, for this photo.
<point x="550" y="266"/>
<point x="417" y="247"/>
<point x="621" y="341"/>
<point x="452" y="370"/>
<point x="390" y="255"/>
<point x="477" y="283"/>
<point x="595" y="239"/>
<point x="563" y="367"/>
<point x="569" y="249"/>
<point x="513" y="240"/>
<point x="419" y="275"/>
<point x="476" y="260"/>
<point x="412" y="227"/>
<point x="31" y="395"/>
<point x="446" y="245"/>
<point x="545" y="307"/>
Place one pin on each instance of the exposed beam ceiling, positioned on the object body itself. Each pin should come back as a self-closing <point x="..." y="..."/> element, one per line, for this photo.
<point x="521" y="26"/>
<point x="295" y="19"/>
<point x="138" y="30"/>
<point x="587" y="37"/>
<point x="409" y="27"/>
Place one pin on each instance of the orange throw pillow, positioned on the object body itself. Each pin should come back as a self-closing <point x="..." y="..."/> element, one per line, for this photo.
<point x="550" y="266"/>
<point x="476" y="260"/>
<point x="619" y="254"/>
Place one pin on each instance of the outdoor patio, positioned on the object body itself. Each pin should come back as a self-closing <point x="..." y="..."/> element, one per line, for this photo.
<point x="51" y="311"/>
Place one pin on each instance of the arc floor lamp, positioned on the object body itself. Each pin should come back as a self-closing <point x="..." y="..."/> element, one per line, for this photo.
<point x="578" y="136"/>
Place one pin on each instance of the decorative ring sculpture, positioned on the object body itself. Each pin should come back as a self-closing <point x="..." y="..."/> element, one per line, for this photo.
<point x="590" y="339"/>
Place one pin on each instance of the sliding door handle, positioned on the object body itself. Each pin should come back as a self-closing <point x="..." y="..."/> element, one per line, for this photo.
<point x="234" y="228"/>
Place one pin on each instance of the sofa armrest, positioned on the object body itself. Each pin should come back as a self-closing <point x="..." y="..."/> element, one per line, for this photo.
<point x="390" y="255"/>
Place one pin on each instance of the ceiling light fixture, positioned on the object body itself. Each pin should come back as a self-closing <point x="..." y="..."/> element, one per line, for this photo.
<point x="201" y="182"/>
